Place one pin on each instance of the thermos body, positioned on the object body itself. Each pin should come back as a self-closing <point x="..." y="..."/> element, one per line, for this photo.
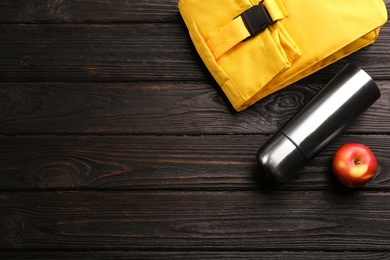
<point x="336" y="105"/>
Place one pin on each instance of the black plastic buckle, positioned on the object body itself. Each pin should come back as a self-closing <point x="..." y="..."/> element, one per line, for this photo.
<point x="256" y="19"/>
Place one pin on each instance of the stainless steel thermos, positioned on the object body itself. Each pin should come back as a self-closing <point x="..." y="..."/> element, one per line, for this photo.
<point x="337" y="104"/>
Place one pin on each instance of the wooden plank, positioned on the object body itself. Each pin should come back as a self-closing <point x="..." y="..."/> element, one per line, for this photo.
<point x="82" y="11"/>
<point x="103" y="52"/>
<point x="153" y="254"/>
<point x="159" y="108"/>
<point x="88" y="11"/>
<point x="163" y="163"/>
<point x="287" y="221"/>
<point x="130" y="52"/>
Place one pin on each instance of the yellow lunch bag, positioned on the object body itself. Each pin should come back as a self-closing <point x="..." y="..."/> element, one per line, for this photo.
<point x="254" y="48"/>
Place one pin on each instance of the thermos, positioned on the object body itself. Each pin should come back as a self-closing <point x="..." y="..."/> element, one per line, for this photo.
<point x="337" y="104"/>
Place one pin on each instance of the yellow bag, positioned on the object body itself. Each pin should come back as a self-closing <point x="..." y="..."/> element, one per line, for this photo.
<point x="253" y="49"/>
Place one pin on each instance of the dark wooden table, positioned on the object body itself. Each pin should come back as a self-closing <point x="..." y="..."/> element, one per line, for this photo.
<point x="116" y="143"/>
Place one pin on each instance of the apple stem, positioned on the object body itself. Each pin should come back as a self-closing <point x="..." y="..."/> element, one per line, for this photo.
<point x="357" y="162"/>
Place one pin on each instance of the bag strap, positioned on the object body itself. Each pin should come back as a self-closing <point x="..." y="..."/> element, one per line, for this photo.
<point x="249" y="23"/>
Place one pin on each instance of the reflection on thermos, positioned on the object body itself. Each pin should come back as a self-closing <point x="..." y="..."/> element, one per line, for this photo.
<point x="337" y="104"/>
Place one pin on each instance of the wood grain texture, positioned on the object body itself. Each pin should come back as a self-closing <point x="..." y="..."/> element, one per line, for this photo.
<point x="97" y="52"/>
<point x="161" y="163"/>
<point x="130" y="52"/>
<point x="116" y="143"/>
<point x="159" y="108"/>
<point x="195" y="221"/>
<point x="88" y="11"/>
<point x="193" y="254"/>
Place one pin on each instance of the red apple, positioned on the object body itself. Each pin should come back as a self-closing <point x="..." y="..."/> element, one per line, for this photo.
<point x="354" y="164"/>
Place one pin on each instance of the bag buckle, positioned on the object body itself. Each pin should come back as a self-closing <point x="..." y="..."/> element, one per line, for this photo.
<point x="256" y="19"/>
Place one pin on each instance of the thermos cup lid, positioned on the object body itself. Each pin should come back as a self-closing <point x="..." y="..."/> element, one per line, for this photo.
<point x="280" y="158"/>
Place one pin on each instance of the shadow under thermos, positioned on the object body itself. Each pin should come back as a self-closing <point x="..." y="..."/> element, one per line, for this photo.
<point x="336" y="105"/>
